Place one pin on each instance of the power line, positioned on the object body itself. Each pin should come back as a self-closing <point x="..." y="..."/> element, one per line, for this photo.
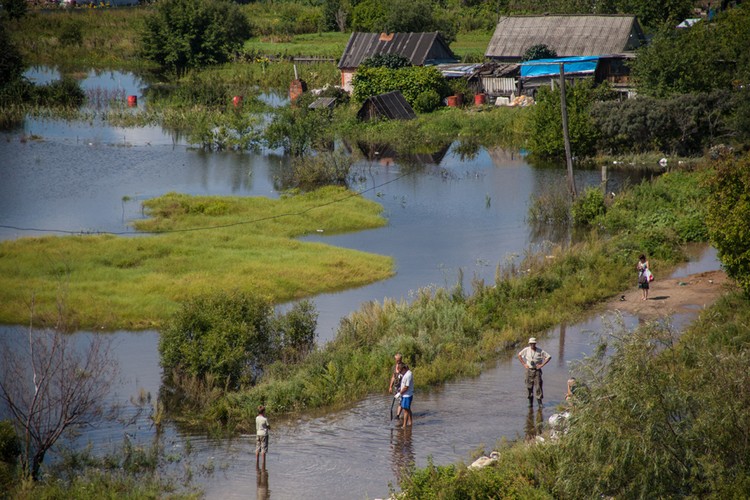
<point x="206" y="228"/>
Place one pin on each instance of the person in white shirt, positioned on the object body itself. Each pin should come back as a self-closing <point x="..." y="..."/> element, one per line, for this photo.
<point x="261" y="436"/>
<point x="406" y="393"/>
<point x="533" y="360"/>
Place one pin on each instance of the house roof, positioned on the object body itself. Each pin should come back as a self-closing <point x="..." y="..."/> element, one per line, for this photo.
<point x="392" y="105"/>
<point x="323" y="103"/>
<point x="579" y="35"/>
<point x="420" y="48"/>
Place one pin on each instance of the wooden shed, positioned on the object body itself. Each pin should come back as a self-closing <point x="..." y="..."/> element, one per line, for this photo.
<point x="568" y="36"/>
<point x="392" y="106"/>
<point x="421" y="49"/>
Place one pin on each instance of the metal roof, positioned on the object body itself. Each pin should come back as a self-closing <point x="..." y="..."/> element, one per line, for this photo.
<point x="419" y="48"/>
<point x="578" y="35"/>
<point x="323" y="103"/>
<point x="551" y="67"/>
<point x="392" y="105"/>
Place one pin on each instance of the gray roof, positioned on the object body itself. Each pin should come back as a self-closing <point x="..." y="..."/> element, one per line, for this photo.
<point x="419" y="48"/>
<point x="392" y="105"/>
<point x="581" y="35"/>
<point x="323" y="103"/>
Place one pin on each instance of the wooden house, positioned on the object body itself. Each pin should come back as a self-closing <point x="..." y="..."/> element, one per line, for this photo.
<point x="568" y="36"/>
<point x="421" y="49"/>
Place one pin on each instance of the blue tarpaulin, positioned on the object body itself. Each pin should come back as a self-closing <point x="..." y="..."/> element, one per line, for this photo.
<point x="549" y="67"/>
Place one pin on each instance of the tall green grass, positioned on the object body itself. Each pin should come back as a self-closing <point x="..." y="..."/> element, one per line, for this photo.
<point x="113" y="282"/>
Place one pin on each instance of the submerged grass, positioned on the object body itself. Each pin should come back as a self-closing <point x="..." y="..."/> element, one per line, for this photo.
<point x="108" y="281"/>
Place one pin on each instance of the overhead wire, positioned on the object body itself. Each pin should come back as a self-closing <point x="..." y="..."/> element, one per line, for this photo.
<point x="206" y="228"/>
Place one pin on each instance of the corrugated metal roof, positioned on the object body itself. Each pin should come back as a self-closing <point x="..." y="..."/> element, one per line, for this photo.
<point x="392" y="105"/>
<point x="581" y="35"/>
<point x="419" y="48"/>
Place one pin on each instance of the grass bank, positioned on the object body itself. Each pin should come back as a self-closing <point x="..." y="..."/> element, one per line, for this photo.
<point x="445" y="334"/>
<point x="110" y="282"/>
<point x="667" y="419"/>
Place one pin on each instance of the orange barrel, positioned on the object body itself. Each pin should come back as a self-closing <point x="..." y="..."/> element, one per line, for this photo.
<point x="237" y="101"/>
<point x="453" y="101"/>
<point x="479" y="99"/>
<point x="132" y="101"/>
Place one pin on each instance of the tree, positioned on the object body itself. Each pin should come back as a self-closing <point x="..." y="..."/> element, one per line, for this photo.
<point x="185" y="34"/>
<point x="539" y="51"/>
<point x="51" y="385"/>
<point x="15" y="9"/>
<point x="728" y="216"/>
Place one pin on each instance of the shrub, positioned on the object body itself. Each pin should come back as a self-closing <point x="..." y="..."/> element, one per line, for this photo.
<point x="232" y="337"/>
<point x="309" y="172"/>
<point x="427" y="101"/>
<point x="186" y="34"/>
<point x="10" y="449"/>
<point x="587" y="207"/>
<point x="411" y="82"/>
<point x="71" y="34"/>
<point x="390" y="61"/>
<point x="540" y="51"/>
<point x="11" y="63"/>
<point x="65" y="92"/>
<point x="728" y="216"/>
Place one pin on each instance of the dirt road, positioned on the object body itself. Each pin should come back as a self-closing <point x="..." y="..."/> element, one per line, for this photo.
<point x="671" y="296"/>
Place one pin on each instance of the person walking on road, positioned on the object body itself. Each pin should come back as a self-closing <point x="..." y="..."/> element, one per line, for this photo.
<point x="533" y="360"/>
<point x="406" y="393"/>
<point x="395" y="384"/>
<point x="644" y="276"/>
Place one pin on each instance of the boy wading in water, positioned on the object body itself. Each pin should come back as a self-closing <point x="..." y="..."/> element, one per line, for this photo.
<point x="261" y="436"/>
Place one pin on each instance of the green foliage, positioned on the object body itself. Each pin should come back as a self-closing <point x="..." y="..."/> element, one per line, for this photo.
<point x="310" y="172"/>
<point x="728" y="207"/>
<point x="11" y="63"/>
<point x="588" y="206"/>
<point x="233" y="336"/>
<point x="400" y="16"/>
<point x="540" y="51"/>
<point x="410" y="81"/>
<point x="685" y="124"/>
<point x="183" y="34"/>
<point x="427" y="101"/>
<point x="298" y="129"/>
<point x="546" y="134"/>
<point x="71" y="33"/>
<point x="65" y="92"/>
<point x="10" y="450"/>
<point x="390" y="61"/>
<point x="14" y="9"/>
<point x="708" y="56"/>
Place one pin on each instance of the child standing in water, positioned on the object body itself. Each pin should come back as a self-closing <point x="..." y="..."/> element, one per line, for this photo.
<point x="261" y="436"/>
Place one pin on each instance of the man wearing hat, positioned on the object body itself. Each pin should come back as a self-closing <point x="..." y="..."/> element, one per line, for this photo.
<point x="533" y="360"/>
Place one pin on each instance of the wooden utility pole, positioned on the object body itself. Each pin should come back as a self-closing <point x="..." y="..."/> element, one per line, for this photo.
<point x="566" y="135"/>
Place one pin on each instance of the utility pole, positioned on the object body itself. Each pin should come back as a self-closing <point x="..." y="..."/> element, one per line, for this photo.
<point x="566" y="135"/>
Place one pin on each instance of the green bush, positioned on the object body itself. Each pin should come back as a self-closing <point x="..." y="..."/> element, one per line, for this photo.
<point x="184" y="34"/>
<point x="540" y="51"/>
<point x="309" y="172"/>
<point x="728" y="216"/>
<point x="65" y="92"/>
<point x="588" y="206"/>
<point x="71" y="34"/>
<point x="410" y="81"/>
<point x="427" y="101"/>
<point x="390" y="61"/>
<point x="10" y="449"/>
<point x="232" y="337"/>
<point x="11" y="63"/>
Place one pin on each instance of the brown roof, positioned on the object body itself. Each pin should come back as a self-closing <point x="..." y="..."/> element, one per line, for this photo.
<point x="581" y="35"/>
<point x="419" y="48"/>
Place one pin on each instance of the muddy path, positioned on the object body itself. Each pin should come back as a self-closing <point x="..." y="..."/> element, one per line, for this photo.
<point x="671" y="296"/>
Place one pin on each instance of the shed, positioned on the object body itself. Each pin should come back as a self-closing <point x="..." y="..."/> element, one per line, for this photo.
<point x="609" y="68"/>
<point x="392" y="106"/>
<point x="421" y="49"/>
<point x="568" y="36"/>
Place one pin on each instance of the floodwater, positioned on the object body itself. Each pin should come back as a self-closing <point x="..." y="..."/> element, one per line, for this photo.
<point x="458" y="214"/>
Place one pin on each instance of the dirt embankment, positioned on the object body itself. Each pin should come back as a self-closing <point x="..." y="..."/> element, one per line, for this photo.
<point x="674" y="295"/>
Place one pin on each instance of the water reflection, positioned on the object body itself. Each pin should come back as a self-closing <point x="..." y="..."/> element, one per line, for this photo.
<point x="262" y="491"/>
<point x="402" y="450"/>
<point x="534" y="425"/>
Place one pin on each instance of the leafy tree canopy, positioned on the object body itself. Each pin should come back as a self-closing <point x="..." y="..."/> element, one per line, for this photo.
<point x="540" y="51"/>
<point x="390" y="61"/>
<point x="11" y="64"/>
<point x="708" y="56"/>
<point x="728" y="216"/>
<point x="185" y="34"/>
